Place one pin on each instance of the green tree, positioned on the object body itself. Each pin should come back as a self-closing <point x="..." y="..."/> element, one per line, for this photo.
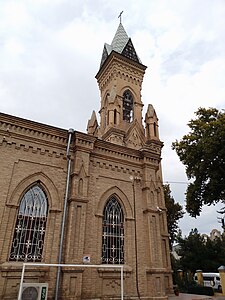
<point x="191" y="251"/>
<point x="198" y="253"/>
<point x="202" y="151"/>
<point x="174" y="213"/>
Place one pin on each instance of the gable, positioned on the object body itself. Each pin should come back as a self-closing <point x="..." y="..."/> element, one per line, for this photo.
<point x="104" y="55"/>
<point x="135" y="137"/>
<point x="130" y="52"/>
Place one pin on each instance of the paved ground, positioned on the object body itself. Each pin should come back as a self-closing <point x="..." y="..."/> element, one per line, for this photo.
<point x="197" y="297"/>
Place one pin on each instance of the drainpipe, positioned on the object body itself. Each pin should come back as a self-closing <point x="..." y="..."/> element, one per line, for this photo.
<point x="136" y="178"/>
<point x="70" y="132"/>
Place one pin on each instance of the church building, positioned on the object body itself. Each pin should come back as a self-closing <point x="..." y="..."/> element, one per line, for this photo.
<point x="92" y="198"/>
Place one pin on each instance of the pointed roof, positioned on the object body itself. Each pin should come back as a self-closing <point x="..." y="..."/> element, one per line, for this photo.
<point x="151" y="113"/>
<point x="93" y="120"/>
<point x="92" y="125"/>
<point x="120" y="39"/>
<point x="120" y="42"/>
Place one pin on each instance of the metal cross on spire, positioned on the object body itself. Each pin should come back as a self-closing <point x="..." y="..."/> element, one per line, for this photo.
<point x="120" y="16"/>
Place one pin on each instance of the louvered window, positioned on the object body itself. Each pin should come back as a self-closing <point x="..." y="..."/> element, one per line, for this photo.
<point x="29" y="233"/>
<point x="113" y="233"/>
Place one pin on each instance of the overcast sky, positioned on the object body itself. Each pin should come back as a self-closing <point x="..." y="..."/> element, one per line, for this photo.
<point x="50" y="52"/>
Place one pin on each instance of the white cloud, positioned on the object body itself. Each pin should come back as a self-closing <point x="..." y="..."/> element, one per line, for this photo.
<point x="204" y="223"/>
<point x="14" y="16"/>
<point x="51" y="49"/>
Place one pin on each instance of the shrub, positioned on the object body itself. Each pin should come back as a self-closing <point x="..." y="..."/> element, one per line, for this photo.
<point x="201" y="290"/>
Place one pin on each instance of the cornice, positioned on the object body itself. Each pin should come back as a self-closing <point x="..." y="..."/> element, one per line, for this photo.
<point x="117" y="65"/>
<point x="108" y="147"/>
<point x="117" y="167"/>
<point x="121" y="58"/>
<point x="90" y="142"/>
<point x="22" y="134"/>
<point x="39" y="138"/>
<point x="113" y="152"/>
<point x="83" y="141"/>
<point x="152" y="147"/>
<point x="35" y="149"/>
<point x="23" y="127"/>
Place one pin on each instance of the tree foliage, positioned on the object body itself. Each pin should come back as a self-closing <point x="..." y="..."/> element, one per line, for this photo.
<point x="197" y="253"/>
<point x="174" y="213"/>
<point x="202" y="151"/>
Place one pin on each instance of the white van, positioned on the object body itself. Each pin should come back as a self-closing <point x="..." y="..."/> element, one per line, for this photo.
<point x="210" y="279"/>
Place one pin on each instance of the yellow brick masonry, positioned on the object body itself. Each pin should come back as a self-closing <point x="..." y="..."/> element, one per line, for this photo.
<point x="31" y="152"/>
<point x="117" y="157"/>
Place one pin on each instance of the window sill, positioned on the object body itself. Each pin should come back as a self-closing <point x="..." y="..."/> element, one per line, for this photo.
<point x="17" y="267"/>
<point x="114" y="272"/>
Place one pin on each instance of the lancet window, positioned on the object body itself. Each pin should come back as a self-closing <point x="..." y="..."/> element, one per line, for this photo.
<point x="127" y="106"/>
<point x="113" y="233"/>
<point x="29" y="233"/>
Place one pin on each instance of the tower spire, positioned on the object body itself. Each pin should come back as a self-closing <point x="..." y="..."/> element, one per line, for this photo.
<point x="121" y="44"/>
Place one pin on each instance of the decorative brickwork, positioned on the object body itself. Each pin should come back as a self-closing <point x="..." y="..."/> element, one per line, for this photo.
<point x="118" y="159"/>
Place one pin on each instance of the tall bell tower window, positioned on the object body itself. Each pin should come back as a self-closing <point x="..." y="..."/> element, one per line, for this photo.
<point x="29" y="232"/>
<point x="127" y="106"/>
<point x="113" y="233"/>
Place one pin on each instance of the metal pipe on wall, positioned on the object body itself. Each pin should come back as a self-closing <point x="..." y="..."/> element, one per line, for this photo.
<point x="70" y="131"/>
<point x="135" y="179"/>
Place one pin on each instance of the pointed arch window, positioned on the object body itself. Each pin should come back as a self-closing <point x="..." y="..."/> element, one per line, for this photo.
<point x="29" y="233"/>
<point x="155" y="129"/>
<point x="128" y="103"/>
<point x="115" y="116"/>
<point x="113" y="233"/>
<point x="105" y="112"/>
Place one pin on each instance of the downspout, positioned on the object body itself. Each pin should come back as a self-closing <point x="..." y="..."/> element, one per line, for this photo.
<point x="68" y="156"/>
<point x="135" y="235"/>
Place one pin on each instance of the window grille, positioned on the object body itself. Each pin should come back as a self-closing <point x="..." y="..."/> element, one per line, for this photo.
<point x="127" y="106"/>
<point x="29" y="233"/>
<point x="113" y="233"/>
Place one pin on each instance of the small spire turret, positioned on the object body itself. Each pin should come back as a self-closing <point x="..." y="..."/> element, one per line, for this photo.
<point x="92" y="126"/>
<point x="151" y="123"/>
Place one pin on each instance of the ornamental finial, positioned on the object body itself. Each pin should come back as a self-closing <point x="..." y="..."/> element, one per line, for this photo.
<point x="120" y="16"/>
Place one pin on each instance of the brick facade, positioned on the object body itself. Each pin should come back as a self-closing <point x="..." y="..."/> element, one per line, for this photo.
<point x="115" y="158"/>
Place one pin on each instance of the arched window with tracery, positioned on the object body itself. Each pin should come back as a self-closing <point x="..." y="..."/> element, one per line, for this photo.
<point x="29" y="233"/>
<point x="113" y="233"/>
<point x="128" y="103"/>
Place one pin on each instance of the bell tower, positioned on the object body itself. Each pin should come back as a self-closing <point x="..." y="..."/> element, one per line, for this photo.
<point x="125" y="167"/>
<point x="120" y="82"/>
